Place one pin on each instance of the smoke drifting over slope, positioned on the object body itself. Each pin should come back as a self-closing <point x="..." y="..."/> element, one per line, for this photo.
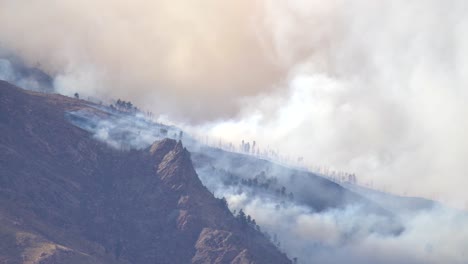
<point x="342" y="236"/>
<point x="373" y="87"/>
<point x="312" y="218"/>
<point x="378" y="88"/>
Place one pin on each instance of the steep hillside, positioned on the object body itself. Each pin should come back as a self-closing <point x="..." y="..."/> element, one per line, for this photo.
<point x="255" y="173"/>
<point x="68" y="198"/>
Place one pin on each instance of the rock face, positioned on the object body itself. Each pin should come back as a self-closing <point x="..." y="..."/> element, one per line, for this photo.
<point x="67" y="198"/>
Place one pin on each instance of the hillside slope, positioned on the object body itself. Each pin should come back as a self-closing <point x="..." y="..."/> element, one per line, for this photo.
<point x="67" y="198"/>
<point x="308" y="189"/>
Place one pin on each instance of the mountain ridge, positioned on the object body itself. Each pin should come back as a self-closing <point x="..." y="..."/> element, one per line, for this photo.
<point x="81" y="201"/>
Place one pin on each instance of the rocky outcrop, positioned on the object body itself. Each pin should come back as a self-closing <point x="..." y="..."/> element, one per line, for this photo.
<point x="175" y="167"/>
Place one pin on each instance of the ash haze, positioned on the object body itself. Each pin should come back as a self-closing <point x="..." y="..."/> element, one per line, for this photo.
<point x="378" y="88"/>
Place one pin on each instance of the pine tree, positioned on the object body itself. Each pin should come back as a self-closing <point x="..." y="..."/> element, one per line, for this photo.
<point x="242" y="217"/>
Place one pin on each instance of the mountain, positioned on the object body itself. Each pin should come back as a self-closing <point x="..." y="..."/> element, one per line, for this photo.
<point x="66" y="197"/>
<point x="307" y="188"/>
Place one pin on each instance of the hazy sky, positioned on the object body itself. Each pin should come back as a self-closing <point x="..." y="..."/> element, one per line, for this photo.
<point x="374" y="87"/>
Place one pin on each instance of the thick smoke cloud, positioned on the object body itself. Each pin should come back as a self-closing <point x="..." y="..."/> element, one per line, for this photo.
<point x="331" y="237"/>
<point x="193" y="60"/>
<point x="372" y="87"/>
<point x="429" y="233"/>
<point x="378" y="88"/>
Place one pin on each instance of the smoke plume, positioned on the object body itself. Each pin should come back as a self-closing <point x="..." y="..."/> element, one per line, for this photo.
<point x="193" y="60"/>
<point x="372" y="87"/>
<point x="377" y="88"/>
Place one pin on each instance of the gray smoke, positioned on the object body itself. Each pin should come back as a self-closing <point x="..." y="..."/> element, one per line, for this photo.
<point x="342" y="235"/>
<point x="372" y="87"/>
<point x="413" y="231"/>
<point x="16" y="72"/>
<point x="377" y="88"/>
<point x="194" y="61"/>
<point x="123" y="131"/>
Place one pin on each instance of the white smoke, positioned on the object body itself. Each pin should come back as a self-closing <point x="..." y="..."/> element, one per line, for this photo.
<point x="377" y="88"/>
<point x="342" y="235"/>
<point x="373" y="87"/>
<point x="169" y="56"/>
<point x="351" y="234"/>
<point x="16" y="73"/>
